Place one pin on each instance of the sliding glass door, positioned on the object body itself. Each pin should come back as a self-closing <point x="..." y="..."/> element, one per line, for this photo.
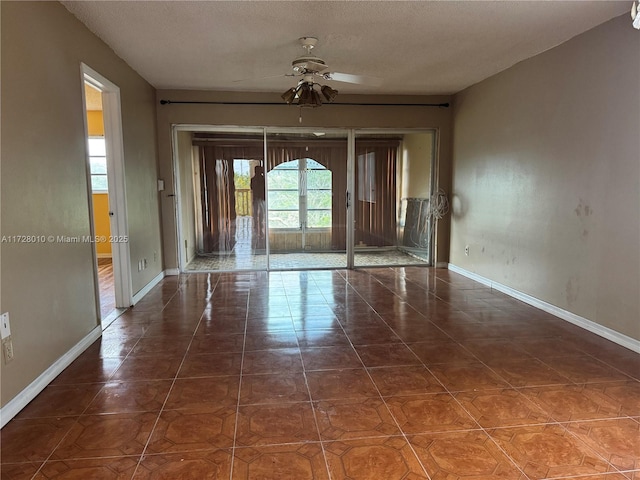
<point x="306" y="199"/>
<point x="279" y="199"/>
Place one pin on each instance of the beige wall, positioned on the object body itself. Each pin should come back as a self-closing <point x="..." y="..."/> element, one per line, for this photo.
<point x="48" y="288"/>
<point x="416" y="165"/>
<point x="546" y="183"/>
<point x="288" y="116"/>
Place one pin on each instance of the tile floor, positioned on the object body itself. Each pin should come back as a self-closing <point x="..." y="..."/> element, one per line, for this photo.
<point x="381" y="374"/>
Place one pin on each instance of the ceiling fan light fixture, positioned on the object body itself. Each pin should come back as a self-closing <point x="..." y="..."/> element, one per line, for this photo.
<point x="289" y="95"/>
<point x="328" y="93"/>
<point x="304" y="95"/>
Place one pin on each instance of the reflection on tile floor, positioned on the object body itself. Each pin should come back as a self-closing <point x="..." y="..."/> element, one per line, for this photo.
<point x="381" y="374"/>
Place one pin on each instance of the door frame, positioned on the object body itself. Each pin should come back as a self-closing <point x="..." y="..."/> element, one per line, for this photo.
<point x="350" y="134"/>
<point x="112" y="119"/>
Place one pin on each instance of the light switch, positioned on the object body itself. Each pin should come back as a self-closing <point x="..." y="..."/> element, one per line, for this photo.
<point x="5" y="328"/>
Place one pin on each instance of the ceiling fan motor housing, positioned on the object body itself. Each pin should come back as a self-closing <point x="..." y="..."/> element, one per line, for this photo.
<point x="308" y="64"/>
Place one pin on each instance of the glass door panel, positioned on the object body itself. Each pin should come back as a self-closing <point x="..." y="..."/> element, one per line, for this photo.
<point x="223" y="180"/>
<point x="393" y="183"/>
<point x="306" y="199"/>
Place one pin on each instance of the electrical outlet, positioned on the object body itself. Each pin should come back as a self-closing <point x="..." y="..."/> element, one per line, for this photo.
<point x="7" y="349"/>
<point x="5" y="327"/>
<point x="466" y="250"/>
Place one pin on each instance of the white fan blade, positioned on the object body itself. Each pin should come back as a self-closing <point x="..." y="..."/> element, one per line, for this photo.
<point x="634" y="11"/>
<point x="349" y="78"/>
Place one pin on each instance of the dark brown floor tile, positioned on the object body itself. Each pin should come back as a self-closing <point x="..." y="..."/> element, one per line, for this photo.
<point x="222" y="343"/>
<point x="106" y="436"/>
<point x="32" y="439"/>
<point x="617" y="440"/>
<point x="148" y="368"/>
<point x="495" y="351"/>
<point x="279" y="310"/>
<point x="123" y="397"/>
<point x="285" y="360"/>
<point x="61" y="401"/>
<point x="325" y="322"/>
<point x="463" y="455"/>
<point x="96" y="370"/>
<point x="218" y="326"/>
<point x="270" y="324"/>
<point x="328" y="337"/>
<point x="343" y="419"/>
<point x="169" y="346"/>
<point x="585" y="369"/>
<point x="390" y="458"/>
<point x="204" y="393"/>
<point x="171" y="329"/>
<point x="467" y="377"/>
<point x="299" y="461"/>
<point x="501" y="408"/>
<point x="270" y="340"/>
<point x="371" y="335"/>
<point x="112" y="346"/>
<point x="191" y="430"/>
<point x="334" y="384"/>
<point x="276" y="424"/>
<point x="116" y="468"/>
<point x="422" y="333"/>
<point x="18" y="471"/>
<point x="353" y="319"/>
<point x="527" y="373"/>
<point x="549" y="347"/>
<point x="200" y="465"/>
<point x="274" y="388"/>
<point x="433" y="353"/>
<point x="387" y="355"/>
<point x="330" y="358"/>
<point x="210" y="364"/>
<point x="429" y="413"/>
<point x="581" y="402"/>
<point x="410" y="380"/>
<point x="549" y="451"/>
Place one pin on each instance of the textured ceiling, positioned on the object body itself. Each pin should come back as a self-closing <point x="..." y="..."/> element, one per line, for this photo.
<point x="418" y="47"/>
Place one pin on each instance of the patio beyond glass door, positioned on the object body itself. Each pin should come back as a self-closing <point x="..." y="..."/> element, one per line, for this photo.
<point x="306" y="182"/>
<point x="393" y="183"/>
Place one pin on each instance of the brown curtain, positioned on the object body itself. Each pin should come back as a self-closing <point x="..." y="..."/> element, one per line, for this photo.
<point x="333" y="156"/>
<point x="376" y="203"/>
<point x="218" y="194"/>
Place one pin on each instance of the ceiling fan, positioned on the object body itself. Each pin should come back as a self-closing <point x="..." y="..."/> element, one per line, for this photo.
<point x="310" y="68"/>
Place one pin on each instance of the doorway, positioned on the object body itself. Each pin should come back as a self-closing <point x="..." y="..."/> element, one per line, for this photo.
<point x="107" y="200"/>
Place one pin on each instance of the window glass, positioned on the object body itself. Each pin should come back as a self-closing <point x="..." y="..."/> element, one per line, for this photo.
<point x="289" y="184"/>
<point x="98" y="164"/>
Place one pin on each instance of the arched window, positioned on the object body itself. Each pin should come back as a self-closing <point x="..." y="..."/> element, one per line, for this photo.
<point x="299" y="195"/>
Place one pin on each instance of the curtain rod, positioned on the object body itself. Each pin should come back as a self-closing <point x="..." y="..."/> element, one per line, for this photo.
<point x="442" y="105"/>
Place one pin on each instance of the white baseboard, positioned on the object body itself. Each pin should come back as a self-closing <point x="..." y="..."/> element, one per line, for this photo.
<point x="103" y="255"/>
<point x="147" y="288"/>
<point x="21" y="400"/>
<point x="170" y="272"/>
<point x="593" y="327"/>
